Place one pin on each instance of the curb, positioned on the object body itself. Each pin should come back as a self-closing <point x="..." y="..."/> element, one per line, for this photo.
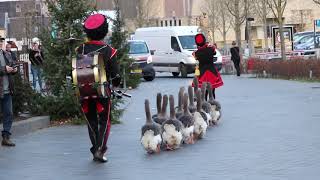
<point x="24" y="127"/>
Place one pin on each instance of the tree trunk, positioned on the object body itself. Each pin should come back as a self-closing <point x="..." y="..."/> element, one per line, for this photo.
<point x="224" y="32"/>
<point x="237" y="23"/>
<point x="265" y="25"/>
<point x="213" y="35"/>
<point x="283" y="48"/>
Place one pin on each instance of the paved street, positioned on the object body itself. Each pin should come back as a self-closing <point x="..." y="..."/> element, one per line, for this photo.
<point x="269" y="131"/>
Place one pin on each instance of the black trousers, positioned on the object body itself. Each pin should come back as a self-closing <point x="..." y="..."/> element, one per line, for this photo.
<point x="99" y="123"/>
<point x="237" y="66"/>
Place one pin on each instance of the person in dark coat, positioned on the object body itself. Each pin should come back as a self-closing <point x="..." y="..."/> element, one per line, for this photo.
<point x="98" y="111"/>
<point x="205" y="56"/>
<point x="7" y="69"/>
<point x="235" y="57"/>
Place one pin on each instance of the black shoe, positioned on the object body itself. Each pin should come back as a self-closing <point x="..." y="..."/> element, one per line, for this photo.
<point x="7" y="142"/>
<point x="99" y="157"/>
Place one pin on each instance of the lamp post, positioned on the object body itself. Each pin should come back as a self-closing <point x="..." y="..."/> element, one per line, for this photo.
<point x="248" y="35"/>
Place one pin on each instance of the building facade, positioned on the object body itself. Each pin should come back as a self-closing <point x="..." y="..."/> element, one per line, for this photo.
<point x="22" y="19"/>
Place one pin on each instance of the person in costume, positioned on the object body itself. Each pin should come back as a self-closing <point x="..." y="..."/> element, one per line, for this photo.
<point x="98" y="111"/>
<point x="208" y="71"/>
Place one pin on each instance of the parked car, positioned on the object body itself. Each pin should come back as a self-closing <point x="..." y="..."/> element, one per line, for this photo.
<point x="172" y="47"/>
<point x="309" y="44"/>
<point x="139" y="51"/>
<point x="218" y="60"/>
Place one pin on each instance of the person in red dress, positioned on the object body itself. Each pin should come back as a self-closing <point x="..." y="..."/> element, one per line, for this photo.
<point x="208" y="71"/>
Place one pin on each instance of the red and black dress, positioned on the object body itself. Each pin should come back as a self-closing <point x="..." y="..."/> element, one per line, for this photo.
<point x="205" y="56"/>
<point x="98" y="110"/>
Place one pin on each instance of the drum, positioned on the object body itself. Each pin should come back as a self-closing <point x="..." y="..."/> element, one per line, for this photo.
<point x="89" y="76"/>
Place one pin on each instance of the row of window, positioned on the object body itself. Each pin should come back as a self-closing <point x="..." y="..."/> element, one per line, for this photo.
<point x="37" y="7"/>
<point x="170" y="23"/>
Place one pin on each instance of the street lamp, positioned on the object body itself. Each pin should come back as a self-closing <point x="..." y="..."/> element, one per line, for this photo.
<point x="248" y="34"/>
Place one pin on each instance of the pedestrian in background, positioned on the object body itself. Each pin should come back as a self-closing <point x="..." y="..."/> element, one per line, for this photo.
<point x="6" y="91"/>
<point x="235" y="56"/>
<point x="36" y="59"/>
<point x="9" y="52"/>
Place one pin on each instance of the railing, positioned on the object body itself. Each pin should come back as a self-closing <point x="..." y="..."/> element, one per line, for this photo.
<point x="303" y="54"/>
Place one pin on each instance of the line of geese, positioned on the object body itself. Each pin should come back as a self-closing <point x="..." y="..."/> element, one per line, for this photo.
<point x="185" y="124"/>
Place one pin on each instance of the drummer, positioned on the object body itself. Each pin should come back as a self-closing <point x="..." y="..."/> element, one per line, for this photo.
<point x="97" y="111"/>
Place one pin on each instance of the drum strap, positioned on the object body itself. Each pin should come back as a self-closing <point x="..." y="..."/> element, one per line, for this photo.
<point x="93" y="52"/>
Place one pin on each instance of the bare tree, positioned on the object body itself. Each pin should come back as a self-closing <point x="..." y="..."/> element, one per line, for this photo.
<point x="146" y="9"/>
<point x="278" y="7"/>
<point x="301" y="16"/>
<point x="238" y="9"/>
<point x="262" y="10"/>
<point x="224" y="20"/>
<point x="211" y="9"/>
<point x="317" y="1"/>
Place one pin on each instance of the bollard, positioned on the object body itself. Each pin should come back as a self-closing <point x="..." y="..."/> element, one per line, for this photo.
<point x="310" y="74"/>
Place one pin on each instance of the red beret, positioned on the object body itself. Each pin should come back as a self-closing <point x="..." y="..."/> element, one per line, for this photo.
<point x="200" y="39"/>
<point x="94" y="21"/>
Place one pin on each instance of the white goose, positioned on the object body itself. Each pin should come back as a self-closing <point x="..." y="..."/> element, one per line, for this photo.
<point x="205" y="105"/>
<point x="150" y="133"/>
<point x="172" y="129"/>
<point x="192" y="107"/>
<point x="159" y="98"/>
<point x="179" y="111"/>
<point x="187" y="121"/>
<point x="162" y="117"/>
<point x="215" y="106"/>
<point x="200" y="124"/>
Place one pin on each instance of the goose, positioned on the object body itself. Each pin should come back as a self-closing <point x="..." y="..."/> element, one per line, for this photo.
<point x="159" y="98"/>
<point x="172" y="129"/>
<point x="150" y="133"/>
<point x="192" y="107"/>
<point x="200" y="117"/>
<point x="195" y="87"/>
<point x="162" y="117"/>
<point x="187" y="121"/>
<point x="179" y="111"/>
<point x="215" y="106"/>
<point x="205" y="105"/>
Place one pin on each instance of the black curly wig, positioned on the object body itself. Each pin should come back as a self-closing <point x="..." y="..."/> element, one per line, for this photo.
<point x="98" y="33"/>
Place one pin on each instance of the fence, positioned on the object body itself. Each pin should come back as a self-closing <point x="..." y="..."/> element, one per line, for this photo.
<point x="23" y="65"/>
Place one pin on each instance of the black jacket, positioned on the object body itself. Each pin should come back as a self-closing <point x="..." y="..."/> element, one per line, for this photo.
<point x="235" y="54"/>
<point x="35" y="60"/>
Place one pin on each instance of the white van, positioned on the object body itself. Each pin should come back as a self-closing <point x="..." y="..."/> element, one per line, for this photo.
<point x="171" y="47"/>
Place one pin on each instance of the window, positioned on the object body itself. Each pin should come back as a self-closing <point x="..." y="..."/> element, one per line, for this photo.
<point x="18" y="8"/>
<point x="166" y="22"/>
<point x="175" y="44"/>
<point x="161" y="23"/>
<point x="38" y="9"/>
<point x="138" y="48"/>
<point x="175" y="22"/>
<point x="187" y="42"/>
<point x="170" y="22"/>
<point x="179" y="22"/>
